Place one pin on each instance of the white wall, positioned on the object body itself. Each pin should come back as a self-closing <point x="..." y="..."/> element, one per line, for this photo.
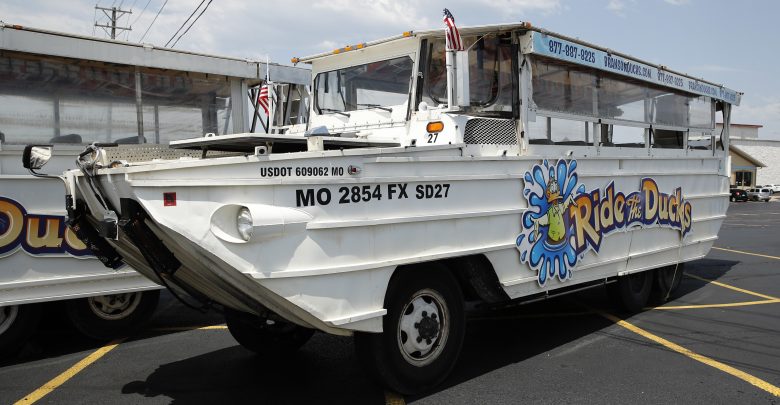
<point x="768" y="153"/>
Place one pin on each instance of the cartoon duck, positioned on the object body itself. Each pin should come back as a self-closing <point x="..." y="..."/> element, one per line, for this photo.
<point x="553" y="218"/>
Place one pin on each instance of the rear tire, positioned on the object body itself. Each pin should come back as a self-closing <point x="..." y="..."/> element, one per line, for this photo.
<point x="666" y="280"/>
<point x="17" y="324"/>
<point x="423" y="331"/>
<point x="272" y="338"/>
<point x="110" y="316"/>
<point x="631" y="292"/>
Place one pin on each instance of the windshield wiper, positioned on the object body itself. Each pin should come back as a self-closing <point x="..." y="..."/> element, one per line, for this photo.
<point x="388" y="109"/>
<point x="335" y="111"/>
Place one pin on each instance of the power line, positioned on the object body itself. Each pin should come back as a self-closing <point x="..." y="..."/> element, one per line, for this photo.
<point x="185" y="22"/>
<point x="193" y="23"/>
<point x="142" y="13"/>
<point x="155" y="19"/>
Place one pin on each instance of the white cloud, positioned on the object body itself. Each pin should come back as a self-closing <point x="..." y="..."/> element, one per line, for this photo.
<point x="518" y="7"/>
<point x="764" y="112"/>
<point x="616" y="5"/>
<point x="678" y="2"/>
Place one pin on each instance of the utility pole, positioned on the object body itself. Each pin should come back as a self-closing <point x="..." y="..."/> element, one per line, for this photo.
<point x="113" y="15"/>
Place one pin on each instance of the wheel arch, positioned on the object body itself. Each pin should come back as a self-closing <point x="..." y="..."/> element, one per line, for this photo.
<point x="474" y="273"/>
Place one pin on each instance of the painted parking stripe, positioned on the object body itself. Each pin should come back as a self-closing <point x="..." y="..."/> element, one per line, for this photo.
<point x="753" y="380"/>
<point x="731" y="287"/>
<point x="726" y="305"/>
<point x="391" y="398"/>
<point x="746" y="253"/>
<point x="57" y="381"/>
<point x="187" y="328"/>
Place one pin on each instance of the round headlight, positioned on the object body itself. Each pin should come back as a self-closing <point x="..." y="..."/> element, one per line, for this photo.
<point x="244" y="223"/>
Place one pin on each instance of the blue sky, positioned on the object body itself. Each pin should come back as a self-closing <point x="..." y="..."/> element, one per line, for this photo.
<point x="730" y="42"/>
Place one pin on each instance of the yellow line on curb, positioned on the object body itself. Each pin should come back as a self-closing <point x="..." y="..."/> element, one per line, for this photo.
<point x="726" y="305"/>
<point x="54" y="383"/>
<point x="755" y="381"/>
<point x="731" y="287"/>
<point x="746" y="253"/>
<point x="391" y="398"/>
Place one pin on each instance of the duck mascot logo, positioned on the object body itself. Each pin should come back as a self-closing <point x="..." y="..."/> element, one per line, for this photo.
<point x="563" y="221"/>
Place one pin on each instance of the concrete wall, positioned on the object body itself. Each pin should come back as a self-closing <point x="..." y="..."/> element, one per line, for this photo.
<point x="740" y="131"/>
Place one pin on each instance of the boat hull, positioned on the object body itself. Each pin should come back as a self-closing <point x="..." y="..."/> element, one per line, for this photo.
<point x="330" y="228"/>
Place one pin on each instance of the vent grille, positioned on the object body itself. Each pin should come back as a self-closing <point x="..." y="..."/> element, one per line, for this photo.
<point x="148" y="152"/>
<point x="490" y="131"/>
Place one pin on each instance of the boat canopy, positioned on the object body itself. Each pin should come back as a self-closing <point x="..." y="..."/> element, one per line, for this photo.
<point x="538" y="41"/>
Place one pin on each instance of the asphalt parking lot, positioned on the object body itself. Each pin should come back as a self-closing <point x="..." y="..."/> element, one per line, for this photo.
<point x="717" y="341"/>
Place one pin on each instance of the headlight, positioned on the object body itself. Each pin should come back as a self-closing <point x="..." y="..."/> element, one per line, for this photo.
<point x="244" y="222"/>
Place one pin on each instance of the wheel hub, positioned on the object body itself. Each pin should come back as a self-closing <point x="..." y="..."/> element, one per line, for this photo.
<point x="422" y="329"/>
<point x="428" y="327"/>
<point x="114" y="307"/>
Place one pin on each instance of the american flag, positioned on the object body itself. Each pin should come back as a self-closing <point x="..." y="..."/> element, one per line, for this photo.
<point x="454" y="42"/>
<point x="262" y="98"/>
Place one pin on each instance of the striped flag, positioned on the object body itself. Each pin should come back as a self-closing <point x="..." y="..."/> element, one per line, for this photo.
<point x="262" y="98"/>
<point x="454" y="42"/>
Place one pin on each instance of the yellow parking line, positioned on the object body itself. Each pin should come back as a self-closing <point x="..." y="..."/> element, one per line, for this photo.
<point x="746" y="253"/>
<point x="731" y="287"/>
<point x="213" y="327"/>
<point x="726" y="305"/>
<point x="772" y="389"/>
<point x="391" y="398"/>
<point x="186" y="328"/>
<point x="54" y="383"/>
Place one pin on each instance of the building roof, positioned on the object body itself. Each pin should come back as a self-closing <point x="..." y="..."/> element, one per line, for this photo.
<point x="746" y="156"/>
<point x="742" y="125"/>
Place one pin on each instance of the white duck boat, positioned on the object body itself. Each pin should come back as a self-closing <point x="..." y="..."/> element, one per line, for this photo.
<point x="528" y="165"/>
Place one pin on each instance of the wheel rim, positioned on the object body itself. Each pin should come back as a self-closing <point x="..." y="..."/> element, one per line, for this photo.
<point x="7" y="317"/>
<point x="115" y="306"/>
<point x="423" y="328"/>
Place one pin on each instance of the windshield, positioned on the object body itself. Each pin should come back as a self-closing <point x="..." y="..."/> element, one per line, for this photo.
<point x="377" y="84"/>
<point x="490" y="73"/>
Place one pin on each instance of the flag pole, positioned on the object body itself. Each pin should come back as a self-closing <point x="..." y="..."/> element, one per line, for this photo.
<point x="452" y="43"/>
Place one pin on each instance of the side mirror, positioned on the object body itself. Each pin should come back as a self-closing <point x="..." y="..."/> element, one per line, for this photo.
<point x="36" y="156"/>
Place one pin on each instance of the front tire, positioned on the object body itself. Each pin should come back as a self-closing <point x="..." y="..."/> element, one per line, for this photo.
<point x="268" y="337"/>
<point x="110" y="316"/>
<point x="423" y="331"/>
<point x="17" y="324"/>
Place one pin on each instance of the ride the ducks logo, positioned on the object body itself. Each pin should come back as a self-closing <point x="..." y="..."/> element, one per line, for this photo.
<point x="563" y="221"/>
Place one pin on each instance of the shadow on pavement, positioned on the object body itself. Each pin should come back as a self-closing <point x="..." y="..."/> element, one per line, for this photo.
<point x="236" y="375"/>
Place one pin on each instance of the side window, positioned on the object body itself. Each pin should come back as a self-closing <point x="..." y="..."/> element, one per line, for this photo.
<point x="634" y="108"/>
<point x="48" y="99"/>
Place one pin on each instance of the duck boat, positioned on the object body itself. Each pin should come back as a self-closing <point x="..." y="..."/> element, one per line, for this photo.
<point x="526" y="165"/>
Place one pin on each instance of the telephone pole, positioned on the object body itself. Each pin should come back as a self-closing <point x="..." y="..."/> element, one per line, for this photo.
<point x="113" y="15"/>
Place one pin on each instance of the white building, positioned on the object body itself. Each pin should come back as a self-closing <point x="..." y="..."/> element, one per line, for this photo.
<point x="745" y="138"/>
